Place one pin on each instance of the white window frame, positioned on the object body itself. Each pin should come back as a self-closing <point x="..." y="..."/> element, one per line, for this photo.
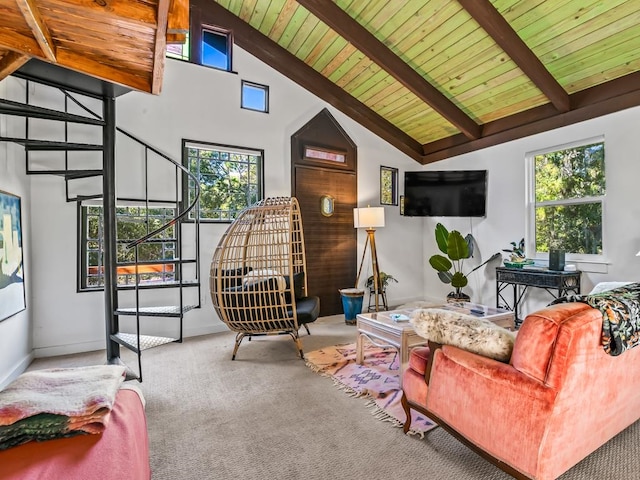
<point x="530" y="209"/>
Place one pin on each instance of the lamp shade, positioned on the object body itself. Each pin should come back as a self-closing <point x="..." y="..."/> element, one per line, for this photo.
<point x="369" y="217"/>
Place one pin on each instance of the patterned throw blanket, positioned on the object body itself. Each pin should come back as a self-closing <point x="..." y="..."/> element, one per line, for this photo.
<point x="620" y="309"/>
<point x="55" y="403"/>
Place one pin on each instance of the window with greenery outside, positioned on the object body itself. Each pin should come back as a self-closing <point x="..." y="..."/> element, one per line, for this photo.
<point x="132" y="222"/>
<point x="230" y="179"/>
<point x="569" y="190"/>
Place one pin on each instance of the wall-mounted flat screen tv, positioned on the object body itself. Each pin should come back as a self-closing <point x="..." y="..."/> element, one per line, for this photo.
<point x="445" y="193"/>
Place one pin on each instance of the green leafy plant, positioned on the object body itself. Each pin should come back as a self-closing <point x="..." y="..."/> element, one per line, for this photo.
<point x="516" y="251"/>
<point x="457" y="249"/>
<point x="385" y="279"/>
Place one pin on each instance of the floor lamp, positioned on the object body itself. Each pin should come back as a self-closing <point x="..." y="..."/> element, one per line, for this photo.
<point x="369" y="218"/>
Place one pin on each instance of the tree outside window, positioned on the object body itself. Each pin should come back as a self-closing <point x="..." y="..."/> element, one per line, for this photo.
<point x="132" y="223"/>
<point x="230" y="179"/>
<point x="569" y="189"/>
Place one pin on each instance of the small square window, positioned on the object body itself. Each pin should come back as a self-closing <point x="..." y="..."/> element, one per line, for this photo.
<point x="255" y="96"/>
<point x="216" y="49"/>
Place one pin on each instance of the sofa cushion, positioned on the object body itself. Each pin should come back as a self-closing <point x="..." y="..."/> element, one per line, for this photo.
<point x="307" y="309"/>
<point x="231" y="277"/>
<point x="474" y="334"/>
<point x="419" y="359"/>
<point x="259" y="276"/>
<point x="298" y="285"/>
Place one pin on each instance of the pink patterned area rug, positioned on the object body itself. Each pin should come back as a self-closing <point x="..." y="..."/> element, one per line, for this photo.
<point x="377" y="379"/>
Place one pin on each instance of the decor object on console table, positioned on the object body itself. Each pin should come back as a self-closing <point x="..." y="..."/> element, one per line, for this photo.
<point x="516" y="252"/>
<point x="558" y="284"/>
<point x="556" y="260"/>
<point x="558" y="399"/>
<point x="370" y="218"/>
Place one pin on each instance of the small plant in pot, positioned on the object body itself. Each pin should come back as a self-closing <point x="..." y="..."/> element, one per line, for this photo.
<point x="516" y="252"/>
<point x="385" y="279"/>
<point x="450" y="267"/>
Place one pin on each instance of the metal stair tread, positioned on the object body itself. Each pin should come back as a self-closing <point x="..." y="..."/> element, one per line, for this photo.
<point x="77" y="174"/>
<point x="157" y="311"/>
<point x="51" y="145"/>
<point x="130" y="341"/>
<point x="160" y="261"/>
<point x="9" y="107"/>
<point x="152" y="285"/>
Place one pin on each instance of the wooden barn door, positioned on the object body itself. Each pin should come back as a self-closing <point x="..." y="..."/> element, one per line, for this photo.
<point x="324" y="181"/>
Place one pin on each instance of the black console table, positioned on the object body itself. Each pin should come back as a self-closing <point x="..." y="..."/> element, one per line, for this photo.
<point x="558" y="284"/>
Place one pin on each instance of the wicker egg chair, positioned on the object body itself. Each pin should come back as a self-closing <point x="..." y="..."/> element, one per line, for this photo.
<point x="258" y="273"/>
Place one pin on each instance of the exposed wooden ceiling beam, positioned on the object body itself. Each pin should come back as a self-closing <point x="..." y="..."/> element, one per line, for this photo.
<point x="367" y="43"/>
<point x="39" y="28"/>
<point x="289" y="65"/>
<point x="90" y="66"/>
<point x="178" y="17"/>
<point x="505" y="36"/>
<point x="10" y="62"/>
<point x="603" y="99"/>
<point x="160" y="50"/>
<point x="127" y="11"/>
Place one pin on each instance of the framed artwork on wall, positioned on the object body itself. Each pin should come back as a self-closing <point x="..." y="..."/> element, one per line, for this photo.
<point x="401" y="204"/>
<point x="388" y="186"/>
<point x="12" y="294"/>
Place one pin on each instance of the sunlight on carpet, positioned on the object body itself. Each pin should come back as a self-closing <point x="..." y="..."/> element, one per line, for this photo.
<point x="377" y="379"/>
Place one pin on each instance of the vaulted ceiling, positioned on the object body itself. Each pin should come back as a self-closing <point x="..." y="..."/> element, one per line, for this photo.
<point x="438" y="78"/>
<point x="435" y="78"/>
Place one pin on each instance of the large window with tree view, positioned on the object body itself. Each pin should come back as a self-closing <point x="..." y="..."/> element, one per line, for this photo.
<point x="569" y="189"/>
<point x="132" y="222"/>
<point x="230" y="179"/>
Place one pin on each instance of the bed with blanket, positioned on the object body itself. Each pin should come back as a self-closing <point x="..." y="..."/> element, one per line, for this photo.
<point x="68" y="425"/>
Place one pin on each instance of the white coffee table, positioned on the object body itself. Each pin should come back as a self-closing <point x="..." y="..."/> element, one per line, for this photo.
<point x="381" y="329"/>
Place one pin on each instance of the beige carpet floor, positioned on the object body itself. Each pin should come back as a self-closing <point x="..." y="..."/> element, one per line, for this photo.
<point x="266" y="415"/>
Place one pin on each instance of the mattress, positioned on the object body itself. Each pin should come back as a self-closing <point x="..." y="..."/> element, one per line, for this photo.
<point x="120" y="452"/>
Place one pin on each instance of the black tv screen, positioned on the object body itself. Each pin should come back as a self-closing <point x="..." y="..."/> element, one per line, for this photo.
<point x="445" y="193"/>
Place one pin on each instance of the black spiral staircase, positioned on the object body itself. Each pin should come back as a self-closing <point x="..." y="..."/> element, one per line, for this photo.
<point x="93" y="179"/>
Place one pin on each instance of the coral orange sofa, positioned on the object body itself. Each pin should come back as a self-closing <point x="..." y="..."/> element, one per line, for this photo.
<point x="558" y="399"/>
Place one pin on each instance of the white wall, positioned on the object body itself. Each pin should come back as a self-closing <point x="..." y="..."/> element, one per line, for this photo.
<point x="15" y="331"/>
<point x="505" y="220"/>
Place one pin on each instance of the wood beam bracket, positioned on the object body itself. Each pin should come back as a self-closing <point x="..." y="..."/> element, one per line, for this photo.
<point x="10" y="62"/>
<point x="39" y="28"/>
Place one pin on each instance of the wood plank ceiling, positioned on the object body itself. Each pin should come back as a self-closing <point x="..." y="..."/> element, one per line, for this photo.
<point x="437" y="78"/>
<point x="120" y="41"/>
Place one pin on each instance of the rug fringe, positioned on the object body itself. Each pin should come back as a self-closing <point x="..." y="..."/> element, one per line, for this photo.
<point x="377" y="412"/>
<point x="380" y="414"/>
<point x="337" y="383"/>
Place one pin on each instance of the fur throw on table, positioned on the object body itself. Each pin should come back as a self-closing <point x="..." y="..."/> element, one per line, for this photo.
<point x="474" y="334"/>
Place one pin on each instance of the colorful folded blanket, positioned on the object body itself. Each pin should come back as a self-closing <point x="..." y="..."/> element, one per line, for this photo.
<point x="620" y="309"/>
<point x="54" y="403"/>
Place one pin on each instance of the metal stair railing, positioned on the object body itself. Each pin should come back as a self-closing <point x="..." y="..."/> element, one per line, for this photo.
<point x="135" y="342"/>
<point x="140" y="342"/>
